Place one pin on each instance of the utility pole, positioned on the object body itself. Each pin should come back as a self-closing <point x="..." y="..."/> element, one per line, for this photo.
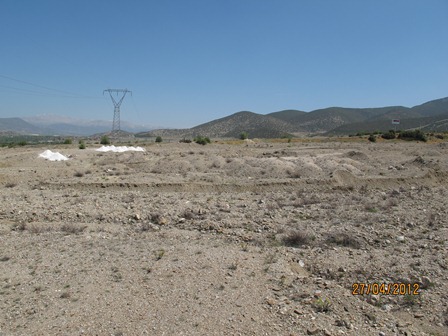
<point x="117" y="104"/>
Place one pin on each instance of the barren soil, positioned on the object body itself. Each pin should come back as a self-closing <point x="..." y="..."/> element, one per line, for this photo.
<point x="250" y="238"/>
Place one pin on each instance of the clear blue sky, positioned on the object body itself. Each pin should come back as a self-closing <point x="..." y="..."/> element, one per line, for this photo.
<point x="188" y="62"/>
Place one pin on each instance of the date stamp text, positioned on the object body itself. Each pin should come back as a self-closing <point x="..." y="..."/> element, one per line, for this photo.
<point x="359" y="288"/>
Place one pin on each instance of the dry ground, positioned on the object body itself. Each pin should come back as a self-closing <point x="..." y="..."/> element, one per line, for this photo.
<point x="249" y="238"/>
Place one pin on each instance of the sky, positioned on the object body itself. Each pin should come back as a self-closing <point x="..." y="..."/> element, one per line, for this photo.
<point x="190" y="62"/>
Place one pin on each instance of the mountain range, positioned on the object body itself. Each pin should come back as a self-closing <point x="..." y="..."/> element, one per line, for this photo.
<point x="49" y="124"/>
<point x="430" y="116"/>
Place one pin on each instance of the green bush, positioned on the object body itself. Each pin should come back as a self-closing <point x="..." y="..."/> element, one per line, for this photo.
<point x="201" y="140"/>
<point x="68" y="141"/>
<point x="22" y="143"/>
<point x="105" y="140"/>
<point x="372" y="138"/>
<point x="244" y="136"/>
<point x="389" y="135"/>
<point x="417" y="135"/>
<point x="82" y="145"/>
<point x="159" y="139"/>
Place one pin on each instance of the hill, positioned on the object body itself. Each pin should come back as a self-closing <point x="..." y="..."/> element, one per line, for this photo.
<point x="19" y="126"/>
<point x="323" y="120"/>
<point x="256" y="125"/>
<point x="288" y="115"/>
<point x="332" y="120"/>
<point x="432" y="108"/>
<point x="428" y="124"/>
<point x="342" y="120"/>
<point x="431" y="117"/>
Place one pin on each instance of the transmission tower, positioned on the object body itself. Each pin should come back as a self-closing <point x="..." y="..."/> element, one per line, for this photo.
<point x="117" y="104"/>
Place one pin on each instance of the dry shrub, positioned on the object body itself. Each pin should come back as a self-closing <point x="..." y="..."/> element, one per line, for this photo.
<point x="10" y="185"/>
<point x="21" y="226"/>
<point x="38" y="228"/>
<point x="72" y="228"/>
<point x="311" y="199"/>
<point x="343" y="239"/>
<point x="293" y="173"/>
<point x="297" y="239"/>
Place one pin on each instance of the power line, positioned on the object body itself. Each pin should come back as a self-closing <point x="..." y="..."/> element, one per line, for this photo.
<point x="42" y="94"/>
<point x="67" y="94"/>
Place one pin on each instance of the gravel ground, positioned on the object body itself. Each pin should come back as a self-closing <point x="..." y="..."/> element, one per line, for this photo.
<point x="250" y="238"/>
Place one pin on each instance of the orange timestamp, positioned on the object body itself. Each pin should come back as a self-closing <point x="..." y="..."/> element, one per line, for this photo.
<point x="359" y="288"/>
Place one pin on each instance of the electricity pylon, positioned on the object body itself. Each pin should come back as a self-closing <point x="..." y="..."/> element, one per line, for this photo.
<point x="117" y="104"/>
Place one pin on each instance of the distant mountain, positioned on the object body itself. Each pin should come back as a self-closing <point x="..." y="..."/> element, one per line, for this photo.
<point x="256" y="125"/>
<point x="432" y="108"/>
<point x="288" y="115"/>
<point x="340" y="119"/>
<point x="63" y="125"/>
<point x="19" y="126"/>
<point x="332" y="120"/>
<point x="430" y="116"/>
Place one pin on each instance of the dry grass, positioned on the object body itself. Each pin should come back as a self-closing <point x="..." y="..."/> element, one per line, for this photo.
<point x="72" y="228"/>
<point x="297" y="239"/>
<point x="343" y="239"/>
<point x="38" y="228"/>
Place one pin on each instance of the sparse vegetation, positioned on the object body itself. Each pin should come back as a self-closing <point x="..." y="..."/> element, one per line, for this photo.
<point x="244" y="230"/>
<point x="160" y="254"/>
<point x="233" y="266"/>
<point x="37" y="228"/>
<point x="416" y="135"/>
<point x="68" y="141"/>
<point x="244" y="135"/>
<point x="297" y="239"/>
<point x="322" y="305"/>
<point x="389" y="135"/>
<point x="72" y="228"/>
<point x="105" y="140"/>
<point x="10" y="185"/>
<point x="116" y="275"/>
<point x="411" y="300"/>
<point x="343" y="239"/>
<point x="65" y="295"/>
<point x="201" y="140"/>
